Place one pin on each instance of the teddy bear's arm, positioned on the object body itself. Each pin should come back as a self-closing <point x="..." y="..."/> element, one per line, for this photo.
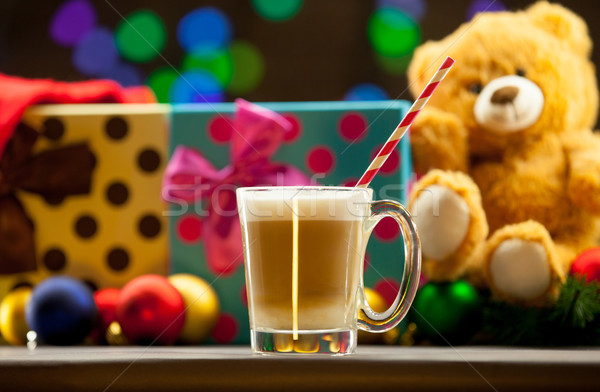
<point x="583" y="151"/>
<point x="438" y="141"/>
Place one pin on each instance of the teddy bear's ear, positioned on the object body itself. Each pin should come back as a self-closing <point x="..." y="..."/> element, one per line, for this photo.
<point x="562" y="23"/>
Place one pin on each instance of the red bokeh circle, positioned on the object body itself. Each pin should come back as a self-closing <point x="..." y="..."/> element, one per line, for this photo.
<point x="244" y="295"/>
<point x="226" y="329"/>
<point x="220" y="129"/>
<point x="320" y="159"/>
<point x="296" y="130"/>
<point x="388" y="288"/>
<point x="392" y="163"/>
<point x="350" y="181"/>
<point x="352" y="127"/>
<point x="387" y="230"/>
<point x="189" y="229"/>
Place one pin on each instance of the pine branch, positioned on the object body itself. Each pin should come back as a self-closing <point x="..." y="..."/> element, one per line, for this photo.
<point x="578" y="303"/>
<point x="512" y="325"/>
<point x="574" y="320"/>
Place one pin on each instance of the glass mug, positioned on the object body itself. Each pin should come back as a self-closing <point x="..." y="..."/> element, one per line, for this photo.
<point x="303" y="251"/>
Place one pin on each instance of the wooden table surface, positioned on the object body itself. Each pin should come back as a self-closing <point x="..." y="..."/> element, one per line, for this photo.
<point x="230" y="368"/>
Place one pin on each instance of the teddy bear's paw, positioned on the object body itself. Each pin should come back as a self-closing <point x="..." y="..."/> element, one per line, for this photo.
<point x="520" y="269"/>
<point x="446" y="208"/>
<point x="442" y="219"/>
<point x="521" y="263"/>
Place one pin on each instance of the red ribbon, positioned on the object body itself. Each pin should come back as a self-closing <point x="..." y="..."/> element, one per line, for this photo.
<point x="189" y="177"/>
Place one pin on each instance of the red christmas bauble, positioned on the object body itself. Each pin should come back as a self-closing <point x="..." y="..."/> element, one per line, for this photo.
<point x="106" y="303"/>
<point x="150" y="310"/>
<point x="587" y="265"/>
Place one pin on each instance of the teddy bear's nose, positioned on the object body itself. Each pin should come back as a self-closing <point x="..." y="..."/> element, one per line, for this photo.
<point x="504" y="95"/>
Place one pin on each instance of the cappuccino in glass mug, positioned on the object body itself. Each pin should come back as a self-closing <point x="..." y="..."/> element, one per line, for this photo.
<point x="303" y="250"/>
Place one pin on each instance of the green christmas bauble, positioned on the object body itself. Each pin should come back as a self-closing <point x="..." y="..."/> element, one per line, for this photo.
<point x="447" y="313"/>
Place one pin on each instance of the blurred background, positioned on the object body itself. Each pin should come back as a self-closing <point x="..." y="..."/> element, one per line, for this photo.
<point x="262" y="50"/>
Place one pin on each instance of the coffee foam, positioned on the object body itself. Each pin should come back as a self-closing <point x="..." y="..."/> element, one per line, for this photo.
<point x="311" y="204"/>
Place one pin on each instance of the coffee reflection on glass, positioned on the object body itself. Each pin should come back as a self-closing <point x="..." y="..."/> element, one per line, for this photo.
<point x="304" y="251"/>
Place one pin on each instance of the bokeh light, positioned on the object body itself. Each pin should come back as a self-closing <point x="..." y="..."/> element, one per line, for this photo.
<point x="393" y="65"/>
<point x="160" y="81"/>
<point x="366" y="92"/>
<point x="416" y="9"/>
<point x="211" y="63"/>
<point x="393" y="33"/>
<point x="353" y="127"/>
<point x="277" y="10"/>
<point x="126" y="75"/>
<point x="141" y="36"/>
<point x="218" y="62"/>
<point x="204" y="30"/>
<point x="196" y="87"/>
<point x="320" y="159"/>
<point x="96" y="53"/>
<point x="484" y="6"/>
<point x="248" y="68"/>
<point x="72" y="21"/>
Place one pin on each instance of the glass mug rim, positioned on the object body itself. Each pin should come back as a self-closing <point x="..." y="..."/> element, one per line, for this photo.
<point x="304" y="188"/>
<point x="356" y="208"/>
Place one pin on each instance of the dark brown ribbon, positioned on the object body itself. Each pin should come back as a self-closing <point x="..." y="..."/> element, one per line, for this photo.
<point x="53" y="174"/>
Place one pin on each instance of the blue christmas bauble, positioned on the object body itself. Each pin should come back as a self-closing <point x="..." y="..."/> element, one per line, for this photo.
<point x="61" y="311"/>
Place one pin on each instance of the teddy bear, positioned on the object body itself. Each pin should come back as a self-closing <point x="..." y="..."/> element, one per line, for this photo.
<point x="510" y="191"/>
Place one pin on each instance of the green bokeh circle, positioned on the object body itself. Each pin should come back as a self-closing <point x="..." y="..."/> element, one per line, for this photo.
<point x="248" y="68"/>
<point x="277" y="10"/>
<point x="141" y="36"/>
<point x="219" y="63"/>
<point x="392" y="33"/>
<point x="393" y="65"/>
<point x="160" y="82"/>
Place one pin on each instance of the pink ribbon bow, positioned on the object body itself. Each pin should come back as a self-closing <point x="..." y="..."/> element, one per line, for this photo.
<point x="189" y="177"/>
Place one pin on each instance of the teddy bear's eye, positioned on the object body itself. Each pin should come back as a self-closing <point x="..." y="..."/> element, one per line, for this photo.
<point x="475" y="88"/>
<point x="520" y="72"/>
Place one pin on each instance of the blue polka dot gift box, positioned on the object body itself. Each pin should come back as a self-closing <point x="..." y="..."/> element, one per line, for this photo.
<point x="330" y="143"/>
<point x="115" y="230"/>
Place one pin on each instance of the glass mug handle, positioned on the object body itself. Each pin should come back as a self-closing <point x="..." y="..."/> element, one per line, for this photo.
<point x="369" y="320"/>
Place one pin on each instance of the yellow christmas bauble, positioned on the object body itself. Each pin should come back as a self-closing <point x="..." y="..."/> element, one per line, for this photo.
<point x="202" y="307"/>
<point x="378" y="304"/>
<point x="12" y="316"/>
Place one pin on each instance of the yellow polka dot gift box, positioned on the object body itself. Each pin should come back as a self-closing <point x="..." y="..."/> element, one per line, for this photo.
<point x="87" y="203"/>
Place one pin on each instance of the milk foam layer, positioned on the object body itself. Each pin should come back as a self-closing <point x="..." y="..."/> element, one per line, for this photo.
<point x="312" y="204"/>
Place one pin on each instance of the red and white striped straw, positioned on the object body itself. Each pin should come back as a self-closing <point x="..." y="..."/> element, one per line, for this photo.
<point x="401" y="129"/>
